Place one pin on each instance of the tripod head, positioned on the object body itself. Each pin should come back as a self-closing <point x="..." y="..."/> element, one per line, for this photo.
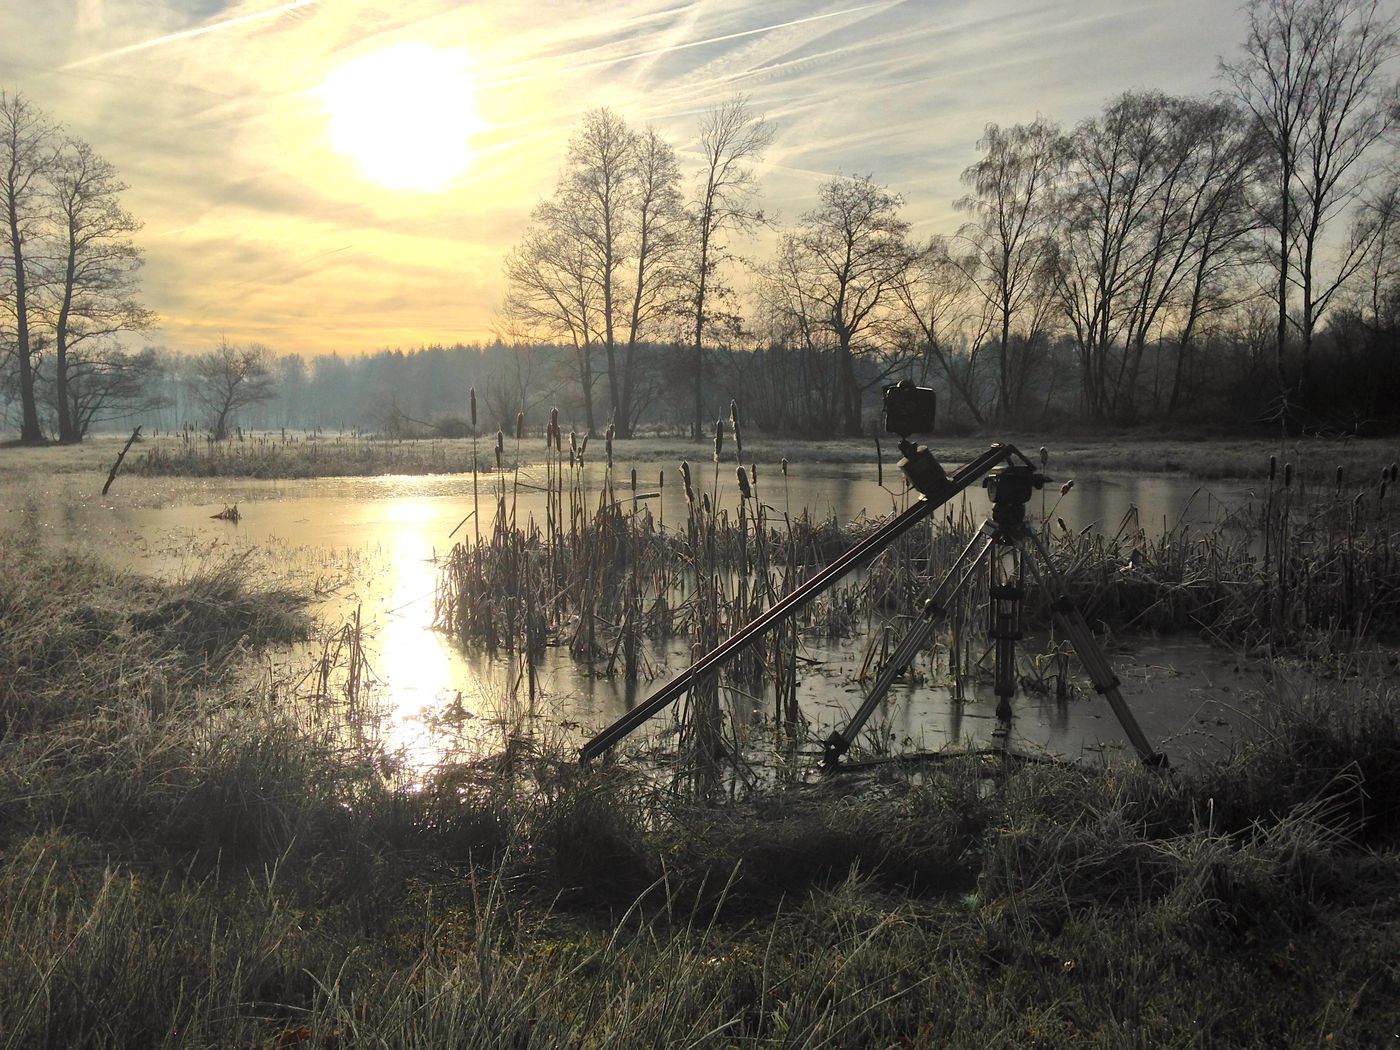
<point x="1009" y="488"/>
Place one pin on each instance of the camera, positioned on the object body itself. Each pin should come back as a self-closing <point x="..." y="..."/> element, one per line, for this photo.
<point x="909" y="409"/>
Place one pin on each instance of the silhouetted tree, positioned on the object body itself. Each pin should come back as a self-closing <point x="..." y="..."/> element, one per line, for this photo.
<point x="841" y="269"/>
<point x="1313" y="76"/>
<point x="93" y="282"/>
<point x="1010" y="247"/>
<point x="27" y="143"/>
<point x="229" y="378"/>
<point x="732" y="139"/>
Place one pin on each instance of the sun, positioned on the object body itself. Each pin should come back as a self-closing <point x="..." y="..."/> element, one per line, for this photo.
<point x="405" y="115"/>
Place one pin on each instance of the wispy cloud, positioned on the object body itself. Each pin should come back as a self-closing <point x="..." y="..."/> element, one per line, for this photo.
<point x="258" y="228"/>
<point x="190" y="34"/>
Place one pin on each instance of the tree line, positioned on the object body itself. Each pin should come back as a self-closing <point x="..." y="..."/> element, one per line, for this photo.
<point x="1113" y="270"/>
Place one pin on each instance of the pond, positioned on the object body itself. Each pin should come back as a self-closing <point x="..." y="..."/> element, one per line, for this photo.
<point x="372" y="545"/>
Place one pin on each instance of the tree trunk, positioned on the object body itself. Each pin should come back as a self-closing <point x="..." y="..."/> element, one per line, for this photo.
<point x="30" y="432"/>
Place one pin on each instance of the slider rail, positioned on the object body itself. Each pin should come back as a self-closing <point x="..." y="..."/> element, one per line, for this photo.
<point x="858" y="556"/>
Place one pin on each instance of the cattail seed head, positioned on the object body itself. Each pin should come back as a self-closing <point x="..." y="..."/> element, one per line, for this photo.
<point x="473" y="404"/>
<point x="1064" y="489"/>
<point x="500" y="442"/>
<point x="519" y="425"/>
<point x="744" y="491"/>
<point x="734" y="423"/>
<point x="1341" y="476"/>
<point x="661" y="479"/>
<point x="1044" y="455"/>
<point x="784" y="466"/>
<point x="1287" y="475"/>
<point x="634" y="481"/>
<point x="719" y="438"/>
<point x="1273" y="467"/>
<point x="573" y="443"/>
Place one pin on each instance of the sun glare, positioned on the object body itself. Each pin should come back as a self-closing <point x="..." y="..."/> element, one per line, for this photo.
<point x="404" y="115"/>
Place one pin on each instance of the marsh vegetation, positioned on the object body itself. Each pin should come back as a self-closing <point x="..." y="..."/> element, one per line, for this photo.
<point x="208" y="840"/>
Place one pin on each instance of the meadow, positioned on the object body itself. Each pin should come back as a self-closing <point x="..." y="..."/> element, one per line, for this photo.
<point x="204" y="843"/>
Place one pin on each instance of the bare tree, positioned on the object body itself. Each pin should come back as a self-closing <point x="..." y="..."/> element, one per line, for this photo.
<point x="1010" y="248"/>
<point x="657" y="227"/>
<point x="27" y="143"/>
<point x="1313" y="76"/>
<point x="844" y="264"/>
<point x="107" y="383"/>
<point x="229" y="378"/>
<point x="599" y="187"/>
<point x="935" y="296"/>
<point x="552" y="292"/>
<point x="599" y="264"/>
<point x="95" y="269"/>
<point x="732" y="139"/>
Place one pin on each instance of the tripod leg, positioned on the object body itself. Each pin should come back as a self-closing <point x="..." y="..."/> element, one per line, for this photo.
<point x="839" y="742"/>
<point x="1091" y="654"/>
<point x="1004" y="621"/>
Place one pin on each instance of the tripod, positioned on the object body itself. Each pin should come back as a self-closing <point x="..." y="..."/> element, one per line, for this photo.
<point x="1006" y="532"/>
<point x="1002" y="544"/>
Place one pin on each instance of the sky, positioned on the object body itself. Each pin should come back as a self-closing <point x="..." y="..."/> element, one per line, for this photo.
<point x="345" y="175"/>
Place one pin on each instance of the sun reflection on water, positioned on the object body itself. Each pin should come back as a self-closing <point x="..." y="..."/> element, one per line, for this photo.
<point x="428" y="695"/>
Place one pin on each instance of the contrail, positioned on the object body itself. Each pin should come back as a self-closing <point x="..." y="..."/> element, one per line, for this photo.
<point x="186" y="34"/>
<point x="676" y="47"/>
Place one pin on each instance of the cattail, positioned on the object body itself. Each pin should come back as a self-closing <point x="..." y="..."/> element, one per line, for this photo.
<point x="705" y="503"/>
<point x="734" y="423"/>
<point x="634" y="481"/>
<point x="500" y="442"/>
<point x="554" y="429"/>
<point x="607" y="444"/>
<point x="719" y="438"/>
<point x="1394" y="471"/>
<point x="744" y="491"/>
<point x="753" y="473"/>
<point x="1273" y="468"/>
<point x="573" y="443"/>
<point x="1287" y="475"/>
<point x="1063" y="527"/>
<point x="685" y="481"/>
<point x="784" y="466"/>
<point x="519" y="425"/>
<point x="1341" y="476"/>
<point x="1066" y="486"/>
<point x="583" y="448"/>
<point x="1044" y="455"/>
<point x="473" y="403"/>
<point x="661" y="479"/>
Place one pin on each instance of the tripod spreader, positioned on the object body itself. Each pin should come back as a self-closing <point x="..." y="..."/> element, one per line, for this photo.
<point x="924" y="474"/>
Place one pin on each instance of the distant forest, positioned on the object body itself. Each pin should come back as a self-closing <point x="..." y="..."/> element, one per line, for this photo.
<point x="1225" y="259"/>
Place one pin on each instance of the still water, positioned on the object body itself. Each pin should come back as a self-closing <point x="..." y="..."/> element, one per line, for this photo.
<point x="371" y="545"/>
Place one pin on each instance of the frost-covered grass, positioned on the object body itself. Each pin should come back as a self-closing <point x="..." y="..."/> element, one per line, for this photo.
<point x="198" y="853"/>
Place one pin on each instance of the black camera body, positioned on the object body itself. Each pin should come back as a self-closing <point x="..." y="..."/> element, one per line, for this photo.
<point x="909" y="409"/>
